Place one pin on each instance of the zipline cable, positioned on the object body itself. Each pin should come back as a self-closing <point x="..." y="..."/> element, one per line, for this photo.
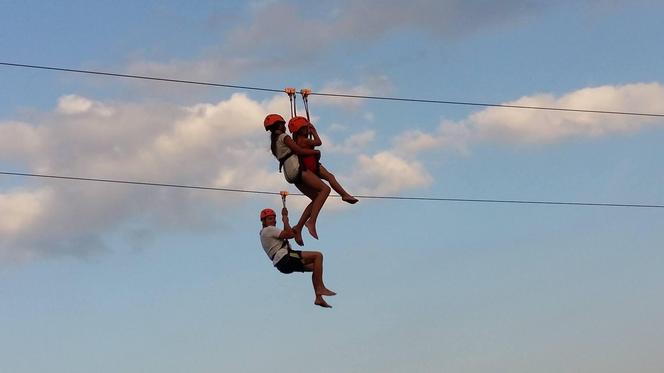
<point x="131" y="182"/>
<point x="432" y="199"/>
<point x="340" y="95"/>
<point x="465" y="103"/>
<point x="118" y="75"/>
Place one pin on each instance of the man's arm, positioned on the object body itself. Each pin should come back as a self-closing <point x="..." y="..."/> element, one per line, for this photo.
<point x="288" y="231"/>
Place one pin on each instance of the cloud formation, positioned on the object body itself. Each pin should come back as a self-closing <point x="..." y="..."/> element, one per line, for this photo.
<point x="288" y="34"/>
<point x="223" y="144"/>
<point x="368" y="20"/>
<point x="538" y="127"/>
<point x="220" y="144"/>
<point x="352" y="145"/>
<point x="387" y="173"/>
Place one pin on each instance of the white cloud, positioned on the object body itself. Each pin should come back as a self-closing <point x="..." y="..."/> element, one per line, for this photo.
<point x="370" y="86"/>
<point x="73" y="104"/>
<point x="387" y="173"/>
<point x="355" y="143"/>
<point x="536" y="127"/>
<point x="283" y="35"/>
<point x="220" y="144"/>
<point x="223" y="144"/>
<point x="450" y="135"/>
<point x="337" y="127"/>
<point x="366" y="20"/>
<point x="20" y="209"/>
<point x="213" y="67"/>
<point x="17" y="139"/>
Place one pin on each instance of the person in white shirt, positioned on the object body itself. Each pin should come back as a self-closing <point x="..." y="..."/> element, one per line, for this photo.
<point x="276" y="246"/>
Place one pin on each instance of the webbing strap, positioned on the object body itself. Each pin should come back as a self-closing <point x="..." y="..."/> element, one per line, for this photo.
<point x="293" y="103"/>
<point x="283" y="159"/>
<point x="305" y="98"/>
<point x="285" y="243"/>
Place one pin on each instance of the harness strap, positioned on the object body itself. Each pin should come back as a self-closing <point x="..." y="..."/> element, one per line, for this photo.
<point x="305" y="99"/>
<point x="287" y="246"/>
<point x="293" y="104"/>
<point x="283" y="159"/>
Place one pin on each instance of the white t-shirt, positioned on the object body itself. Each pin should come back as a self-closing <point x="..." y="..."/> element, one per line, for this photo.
<point x="272" y="244"/>
<point x="292" y="163"/>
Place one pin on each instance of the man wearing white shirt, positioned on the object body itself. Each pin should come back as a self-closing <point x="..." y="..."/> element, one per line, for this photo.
<point x="276" y="246"/>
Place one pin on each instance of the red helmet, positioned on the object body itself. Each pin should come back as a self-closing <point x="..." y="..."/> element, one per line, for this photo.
<point x="296" y="123"/>
<point x="267" y="212"/>
<point x="271" y="120"/>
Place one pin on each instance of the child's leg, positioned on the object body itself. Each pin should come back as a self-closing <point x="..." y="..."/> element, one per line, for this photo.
<point x="312" y="180"/>
<point x="311" y="193"/>
<point x="327" y="175"/>
<point x="297" y="228"/>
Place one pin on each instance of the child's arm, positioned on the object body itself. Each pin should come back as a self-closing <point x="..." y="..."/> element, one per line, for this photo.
<point x="304" y="142"/>
<point x="297" y="149"/>
<point x="316" y="141"/>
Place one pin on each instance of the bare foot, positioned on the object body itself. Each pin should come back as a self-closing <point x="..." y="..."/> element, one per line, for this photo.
<point x="298" y="236"/>
<point x="321" y="302"/>
<point x="326" y="292"/>
<point x="350" y="199"/>
<point x="312" y="229"/>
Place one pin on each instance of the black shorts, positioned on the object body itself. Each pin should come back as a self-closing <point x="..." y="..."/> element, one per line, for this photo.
<point x="291" y="262"/>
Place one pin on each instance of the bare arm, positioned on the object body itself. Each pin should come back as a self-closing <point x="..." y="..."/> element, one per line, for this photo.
<point x="288" y="231"/>
<point x="316" y="141"/>
<point x="298" y="149"/>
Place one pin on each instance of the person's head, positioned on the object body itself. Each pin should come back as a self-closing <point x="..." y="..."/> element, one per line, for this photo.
<point x="268" y="217"/>
<point x="302" y="132"/>
<point x="274" y="122"/>
<point x="298" y="126"/>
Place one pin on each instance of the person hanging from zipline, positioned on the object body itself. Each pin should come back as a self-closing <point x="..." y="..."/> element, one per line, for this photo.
<point x="305" y="136"/>
<point x="287" y="151"/>
<point x="286" y="260"/>
<point x="308" y="182"/>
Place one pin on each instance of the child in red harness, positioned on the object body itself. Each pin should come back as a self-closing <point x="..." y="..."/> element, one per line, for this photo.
<point x="301" y="128"/>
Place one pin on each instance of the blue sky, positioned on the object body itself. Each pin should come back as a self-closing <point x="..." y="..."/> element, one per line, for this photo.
<point x="111" y="278"/>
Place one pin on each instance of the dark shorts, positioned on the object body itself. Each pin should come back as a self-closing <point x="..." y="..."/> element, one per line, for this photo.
<point x="291" y="262"/>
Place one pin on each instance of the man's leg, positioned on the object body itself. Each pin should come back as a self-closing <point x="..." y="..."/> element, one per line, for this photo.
<point x="313" y="261"/>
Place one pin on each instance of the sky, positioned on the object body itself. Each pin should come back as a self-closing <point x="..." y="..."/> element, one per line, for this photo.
<point x="107" y="277"/>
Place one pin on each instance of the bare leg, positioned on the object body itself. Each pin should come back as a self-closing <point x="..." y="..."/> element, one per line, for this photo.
<point x="297" y="228"/>
<point x="312" y="180"/>
<point x="313" y="261"/>
<point x="327" y="175"/>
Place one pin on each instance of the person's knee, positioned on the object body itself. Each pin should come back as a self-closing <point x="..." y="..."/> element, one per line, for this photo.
<point x="309" y="255"/>
<point x="326" y="190"/>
